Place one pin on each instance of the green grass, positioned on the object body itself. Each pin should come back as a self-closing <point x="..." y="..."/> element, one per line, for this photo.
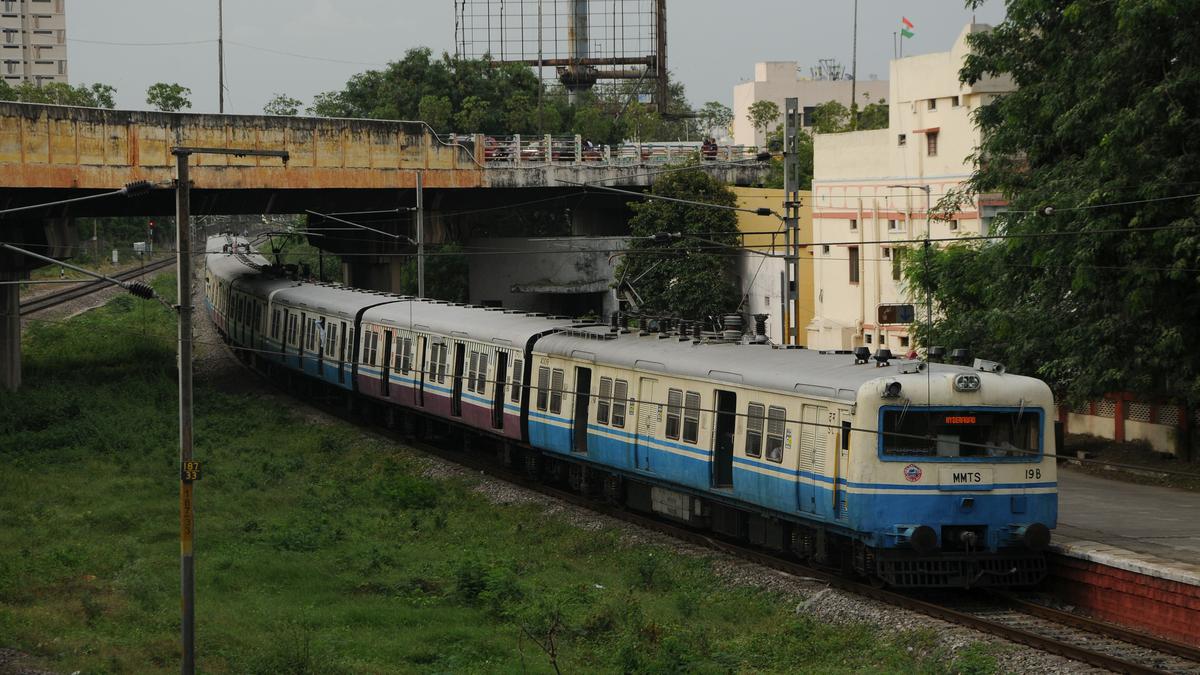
<point x="322" y="550"/>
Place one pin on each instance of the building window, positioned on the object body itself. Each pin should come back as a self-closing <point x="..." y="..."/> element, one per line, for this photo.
<point x="932" y="104"/>
<point x="893" y="224"/>
<point x="602" y="401"/>
<point x="954" y="102"/>
<point x="887" y="253"/>
<point x="867" y="338"/>
<point x="853" y="224"/>
<point x="691" y="418"/>
<point x="897" y="261"/>
<point x="903" y="340"/>
<point x="824" y="249"/>
<point x="853" y="264"/>
<point x="674" y="412"/>
<point x="931" y="140"/>
<point x="755" y="419"/>
<point x="953" y="225"/>
<point x="902" y="139"/>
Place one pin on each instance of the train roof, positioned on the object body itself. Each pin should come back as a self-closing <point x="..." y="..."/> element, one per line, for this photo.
<point x="494" y="325"/>
<point x="823" y="374"/>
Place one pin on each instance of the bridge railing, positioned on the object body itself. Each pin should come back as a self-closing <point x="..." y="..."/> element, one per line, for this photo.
<point x="516" y="150"/>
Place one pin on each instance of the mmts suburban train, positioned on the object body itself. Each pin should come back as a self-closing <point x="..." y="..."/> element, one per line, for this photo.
<point x="913" y="474"/>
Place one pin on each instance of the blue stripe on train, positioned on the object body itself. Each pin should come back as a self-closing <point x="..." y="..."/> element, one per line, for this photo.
<point x="873" y="514"/>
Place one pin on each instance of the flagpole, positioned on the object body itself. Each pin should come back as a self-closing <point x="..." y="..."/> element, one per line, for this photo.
<point x="894" y="54"/>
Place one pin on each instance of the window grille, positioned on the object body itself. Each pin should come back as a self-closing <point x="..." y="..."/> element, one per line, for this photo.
<point x="754" y="429"/>
<point x="602" y="402"/>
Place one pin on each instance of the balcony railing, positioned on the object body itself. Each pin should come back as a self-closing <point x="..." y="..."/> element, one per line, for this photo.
<point x="524" y="150"/>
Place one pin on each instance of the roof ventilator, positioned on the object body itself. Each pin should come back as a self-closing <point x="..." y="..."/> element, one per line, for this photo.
<point x="760" y="329"/>
<point x="862" y="355"/>
<point x="882" y="356"/>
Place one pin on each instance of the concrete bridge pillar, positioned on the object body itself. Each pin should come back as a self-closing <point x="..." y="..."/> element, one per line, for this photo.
<point x="55" y="238"/>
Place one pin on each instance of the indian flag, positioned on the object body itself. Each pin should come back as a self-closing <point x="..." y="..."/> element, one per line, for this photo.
<point x="908" y="26"/>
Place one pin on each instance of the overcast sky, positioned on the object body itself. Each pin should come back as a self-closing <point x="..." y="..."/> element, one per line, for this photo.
<point x="712" y="44"/>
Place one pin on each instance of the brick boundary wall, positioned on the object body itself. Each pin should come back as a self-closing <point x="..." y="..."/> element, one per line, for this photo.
<point x="1160" y="606"/>
<point x="1120" y="417"/>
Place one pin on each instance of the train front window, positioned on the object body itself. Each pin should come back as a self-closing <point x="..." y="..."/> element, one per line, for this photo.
<point x="961" y="433"/>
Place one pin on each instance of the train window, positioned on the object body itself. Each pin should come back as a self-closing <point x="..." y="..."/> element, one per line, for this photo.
<point x="518" y="373"/>
<point x="312" y="335"/>
<point x="674" y="412"/>
<point x="370" y="347"/>
<point x="776" y="419"/>
<point x="962" y="432"/>
<point x="331" y="338"/>
<point x="404" y="354"/>
<point x="556" y="391"/>
<point x="691" y="417"/>
<point x="275" y="324"/>
<point x="620" y="400"/>
<point x="293" y="323"/>
<point x="472" y="370"/>
<point x="481" y="376"/>
<point x="755" y="418"/>
<point x="543" y="387"/>
<point x="442" y="351"/>
<point x="602" y="401"/>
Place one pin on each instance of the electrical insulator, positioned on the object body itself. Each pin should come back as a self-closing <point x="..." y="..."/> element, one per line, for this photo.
<point x="140" y="289"/>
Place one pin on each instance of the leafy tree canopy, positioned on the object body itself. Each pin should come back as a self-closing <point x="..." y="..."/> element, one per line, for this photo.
<point x="715" y="117"/>
<point x="282" y="104"/>
<point x="763" y="114"/>
<point x="477" y="95"/>
<point x="168" y="97"/>
<point x="686" y="277"/>
<point x="60" y="93"/>
<point x="1102" y="119"/>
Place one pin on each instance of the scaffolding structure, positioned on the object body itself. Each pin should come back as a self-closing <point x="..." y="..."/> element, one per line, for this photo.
<point x="583" y="45"/>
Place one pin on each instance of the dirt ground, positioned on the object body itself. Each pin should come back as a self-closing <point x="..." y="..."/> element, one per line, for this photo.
<point x="1134" y="462"/>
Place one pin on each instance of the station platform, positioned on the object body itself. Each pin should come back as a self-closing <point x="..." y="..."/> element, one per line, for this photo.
<point x="1129" y="553"/>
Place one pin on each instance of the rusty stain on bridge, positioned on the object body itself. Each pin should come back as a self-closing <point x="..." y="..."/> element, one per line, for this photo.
<point x="45" y="146"/>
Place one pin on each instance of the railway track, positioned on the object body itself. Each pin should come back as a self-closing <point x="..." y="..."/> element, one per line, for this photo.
<point x="50" y="300"/>
<point x="1004" y="615"/>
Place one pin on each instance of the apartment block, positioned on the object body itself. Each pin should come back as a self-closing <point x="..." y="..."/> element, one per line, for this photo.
<point x="780" y="80"/>
<point x="34" y="43"/>
<point x="870" y="195"/>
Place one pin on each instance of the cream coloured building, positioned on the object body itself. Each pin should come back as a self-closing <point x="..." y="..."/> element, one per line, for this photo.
<point x="34" y="44"/>
<point x="779" y="80"/>
<point x="863" y="216"/>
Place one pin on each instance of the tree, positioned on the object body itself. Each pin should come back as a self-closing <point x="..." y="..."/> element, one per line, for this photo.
<point x="830" y="117"/>
<point x="282" y="104"/>
<point x="1101" y="127"/>
<point x="686" y="277"/>
<point x="763" y="114"/>
<point x="435" y="111"/>
<point x="716" y="115"/>
<point x="60" y="93"/>
<point x="168" y="97"/>
<point x="873" y="116"/>
<point x="472" y="114"/>
<point x="329" y="104"/>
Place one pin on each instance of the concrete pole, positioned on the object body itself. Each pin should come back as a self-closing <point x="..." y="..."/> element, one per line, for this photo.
<point x="421" y="237"/>
<point x="10" y="325"/>
<point x="577" y="42"/>
<point x="221" y="55"/>
<point x="187" y="561"/>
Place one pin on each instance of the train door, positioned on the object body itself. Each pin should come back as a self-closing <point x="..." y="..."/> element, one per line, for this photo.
<point x="648" y="415"/>
<point x="283" y="340"/>
<point x="726" y="424"/>
<point x="840" y="442"/>
<point x="385" y="384"/>
<point x="320" y="350"/>
<point x="460" y="358"/>
<point x="300" y="344"/>
<point x="421" y="356"/>
<point x="498" y="392"/>
<point x="342" y="353"/>
<point x="583" y="391"/>
<point x="811" y="456"/>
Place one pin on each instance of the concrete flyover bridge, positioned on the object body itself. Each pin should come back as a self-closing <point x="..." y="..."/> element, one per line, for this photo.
<point x="50" y="153"/>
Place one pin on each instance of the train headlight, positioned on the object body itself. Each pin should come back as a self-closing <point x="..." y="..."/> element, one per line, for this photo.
<point x="890" y="389"/>
<point x="967" y="382"/>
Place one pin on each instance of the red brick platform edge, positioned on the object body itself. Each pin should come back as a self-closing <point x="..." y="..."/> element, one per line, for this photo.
<point x="1166" y="608"/>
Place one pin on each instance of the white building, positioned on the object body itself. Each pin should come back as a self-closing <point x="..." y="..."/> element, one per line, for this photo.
<point x="859" y="198"/>
<point x="779" y="80"/>
<point x="34" y="47"/>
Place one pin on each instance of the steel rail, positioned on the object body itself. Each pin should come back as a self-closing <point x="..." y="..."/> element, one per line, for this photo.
<point x="86" y="288"/>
